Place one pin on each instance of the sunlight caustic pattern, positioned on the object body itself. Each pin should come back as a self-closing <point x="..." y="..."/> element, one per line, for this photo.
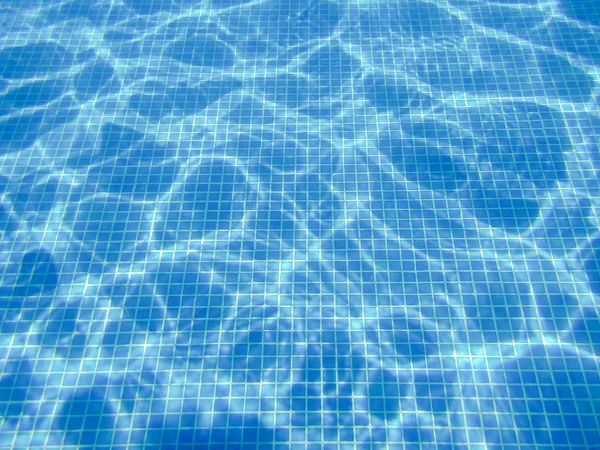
<point x="280" y="224"/>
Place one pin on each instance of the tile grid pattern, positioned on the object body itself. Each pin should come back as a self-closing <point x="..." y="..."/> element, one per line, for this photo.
<point x="271" y="224"/>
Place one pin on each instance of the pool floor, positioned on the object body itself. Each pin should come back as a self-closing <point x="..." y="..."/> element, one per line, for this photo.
<point x="287" y="224"/>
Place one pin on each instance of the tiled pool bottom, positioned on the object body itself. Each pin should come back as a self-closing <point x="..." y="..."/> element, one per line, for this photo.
<point x="278" y="224"/>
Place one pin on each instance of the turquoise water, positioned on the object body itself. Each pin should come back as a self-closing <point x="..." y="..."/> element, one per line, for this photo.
<point x="232" y="224"/>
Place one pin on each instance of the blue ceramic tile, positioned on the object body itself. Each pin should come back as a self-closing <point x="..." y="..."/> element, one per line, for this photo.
<point x="281" y="224"/>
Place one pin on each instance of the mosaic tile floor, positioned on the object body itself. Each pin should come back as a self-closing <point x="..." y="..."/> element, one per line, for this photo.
<point x="286" y="224"/>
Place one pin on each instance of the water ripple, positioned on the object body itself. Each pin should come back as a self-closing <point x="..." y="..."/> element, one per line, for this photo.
<point x="275" y="224"/>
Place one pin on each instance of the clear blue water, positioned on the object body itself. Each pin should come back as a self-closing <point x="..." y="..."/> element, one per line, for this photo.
<point x="328" y="224"/>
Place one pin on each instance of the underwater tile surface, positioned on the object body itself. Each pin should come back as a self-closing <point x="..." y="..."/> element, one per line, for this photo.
<point x="285" y="224"/>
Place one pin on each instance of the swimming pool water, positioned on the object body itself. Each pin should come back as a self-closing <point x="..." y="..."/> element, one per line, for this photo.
<point x="319" y="224"/>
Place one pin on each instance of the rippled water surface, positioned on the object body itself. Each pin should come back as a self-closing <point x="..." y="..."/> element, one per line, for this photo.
<point x="316" y="224"/>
